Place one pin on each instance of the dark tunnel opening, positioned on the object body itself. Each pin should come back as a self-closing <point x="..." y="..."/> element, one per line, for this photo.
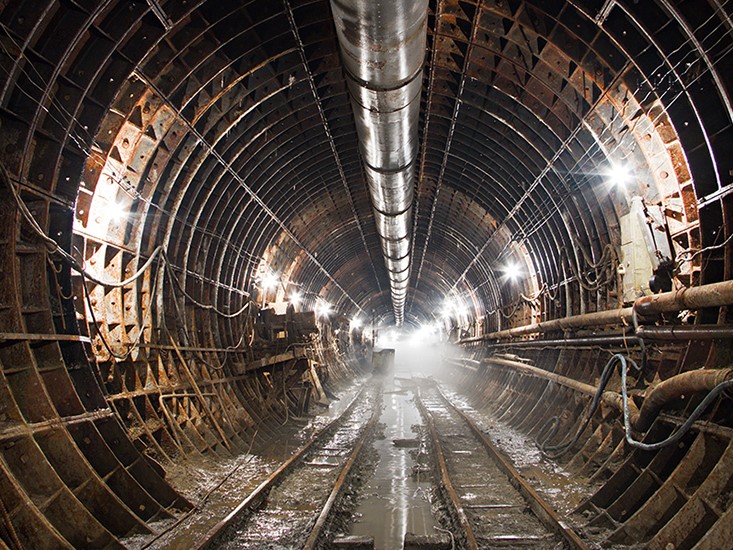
<point x="215" y="216"/>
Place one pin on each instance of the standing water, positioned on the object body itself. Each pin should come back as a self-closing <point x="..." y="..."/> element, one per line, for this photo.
<point x="395" y="502"/>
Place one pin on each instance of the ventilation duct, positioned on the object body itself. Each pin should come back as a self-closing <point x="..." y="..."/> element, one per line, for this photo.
<point x="383" y="50"/>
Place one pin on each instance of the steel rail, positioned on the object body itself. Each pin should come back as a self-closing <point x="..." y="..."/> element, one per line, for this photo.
<point x="543" y="511"/>
<point x="445" y="481"/>
<point x="338" y="487"/>
<point x="256" y="497"/>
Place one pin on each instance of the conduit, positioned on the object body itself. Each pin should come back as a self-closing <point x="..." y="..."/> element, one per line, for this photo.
<point x="659" y="395"/>
<point x="611" y="398"/>
<point x="383" y="49"/>
<point x="675" y="387"/>
<point x="712" y="295"/>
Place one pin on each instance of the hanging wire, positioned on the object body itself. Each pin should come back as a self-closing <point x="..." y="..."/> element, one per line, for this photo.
<point x="54" y="248"/>
<point x="548" y="430"/>
<point x="689" y="254"/>
<point x="141" y="331"/>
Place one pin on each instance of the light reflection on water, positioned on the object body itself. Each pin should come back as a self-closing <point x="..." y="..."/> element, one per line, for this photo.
<point x="395" y="503"/>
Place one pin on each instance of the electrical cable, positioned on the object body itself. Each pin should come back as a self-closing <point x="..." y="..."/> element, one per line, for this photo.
<point x="688" y="255"/>
<point x="105" y="343"/>
<point x="209" y="307"/>
<point x="640" y="339"/>
<point x="551" y="425"/>
<point x="97" y="158"/>
<point x="549" y="428"/>
<point x="54" y="248"/>
<point x="682" y="430"/>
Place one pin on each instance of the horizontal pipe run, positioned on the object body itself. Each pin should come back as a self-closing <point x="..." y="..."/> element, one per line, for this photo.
<point x="617" y="340"/>
<point x="382" y="44"/>
<point x="696" y="297"/>
<point x="686" y="332"/>
<point x="581" y="387"/>
<point x="597" y="319"/>
<point x="657" y="396"/>
<point x="712" y="295"/>
<point x="611" y="398"/>
<point x="686" y="383"/>
<point x="673" y="333"/>
<point x="18" y="430"/>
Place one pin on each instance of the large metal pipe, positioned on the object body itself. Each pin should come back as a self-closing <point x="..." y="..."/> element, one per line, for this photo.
<point x="686" y="383"/>
<point x="597" y="319"/>
<point x="610" y="398"/>
<point x="657" y="396"/>
<point x="711" y="295"/>
<point x="681" y="333"/>
<point x="696" y="297"/>
<point x="671" y="333"/>
<point x="383" y="50"/>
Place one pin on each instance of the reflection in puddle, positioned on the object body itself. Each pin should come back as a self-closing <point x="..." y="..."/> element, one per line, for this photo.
<point x="394" y="502"/>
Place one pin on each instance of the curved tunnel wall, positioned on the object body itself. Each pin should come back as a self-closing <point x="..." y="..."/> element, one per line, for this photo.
<point x="226" y="135"/>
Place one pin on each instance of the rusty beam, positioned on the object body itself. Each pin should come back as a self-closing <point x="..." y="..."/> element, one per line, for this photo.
<point x="445" y="480"/>
<point x="193" y="348"/>
<point x="24" y="336"/>
<point x="536" y="503"/>
<point x="29" y="429"/>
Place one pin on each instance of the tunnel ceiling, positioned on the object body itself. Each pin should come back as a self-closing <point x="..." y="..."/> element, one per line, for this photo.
<point x="223" y="131"/>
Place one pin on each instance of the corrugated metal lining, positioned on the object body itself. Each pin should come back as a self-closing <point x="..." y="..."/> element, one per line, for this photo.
<point x="230" y="138"/>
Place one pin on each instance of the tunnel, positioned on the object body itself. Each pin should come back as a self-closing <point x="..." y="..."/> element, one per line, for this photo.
<point x="222" y="221"/>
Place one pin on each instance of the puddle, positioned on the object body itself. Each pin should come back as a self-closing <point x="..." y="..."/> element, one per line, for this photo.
<point x="223" y="483"/>
<point x="394" y="502"/>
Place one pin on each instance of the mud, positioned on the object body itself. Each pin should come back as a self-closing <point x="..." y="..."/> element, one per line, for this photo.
<point x="217" y="486"/>
<point x="556" y="485"/>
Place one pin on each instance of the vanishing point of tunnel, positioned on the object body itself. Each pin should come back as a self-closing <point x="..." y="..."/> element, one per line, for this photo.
<point x="420" y="274"/>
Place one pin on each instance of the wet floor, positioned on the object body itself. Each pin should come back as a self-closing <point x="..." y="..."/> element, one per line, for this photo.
<point x="216" y="486"/>
<point x="394" y="501"/>
<point x="552" y="481"/>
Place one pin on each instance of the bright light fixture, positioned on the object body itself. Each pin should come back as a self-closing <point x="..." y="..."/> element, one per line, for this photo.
<point x="423" y="335"/>
<point x="323" y="309"/>
<point x="618" y="175"/>
<point x="117" y="211"/>
<point x="512" y="270"/>
<point x="269" y="281"/>
<point x="295" y="298"/>
<point x="355" y="323"/>
<point x="453" y="307"/>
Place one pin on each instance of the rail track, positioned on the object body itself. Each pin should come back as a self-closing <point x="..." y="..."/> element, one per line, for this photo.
<point x="488" y="499"/>
<point x="290" y="509"/>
